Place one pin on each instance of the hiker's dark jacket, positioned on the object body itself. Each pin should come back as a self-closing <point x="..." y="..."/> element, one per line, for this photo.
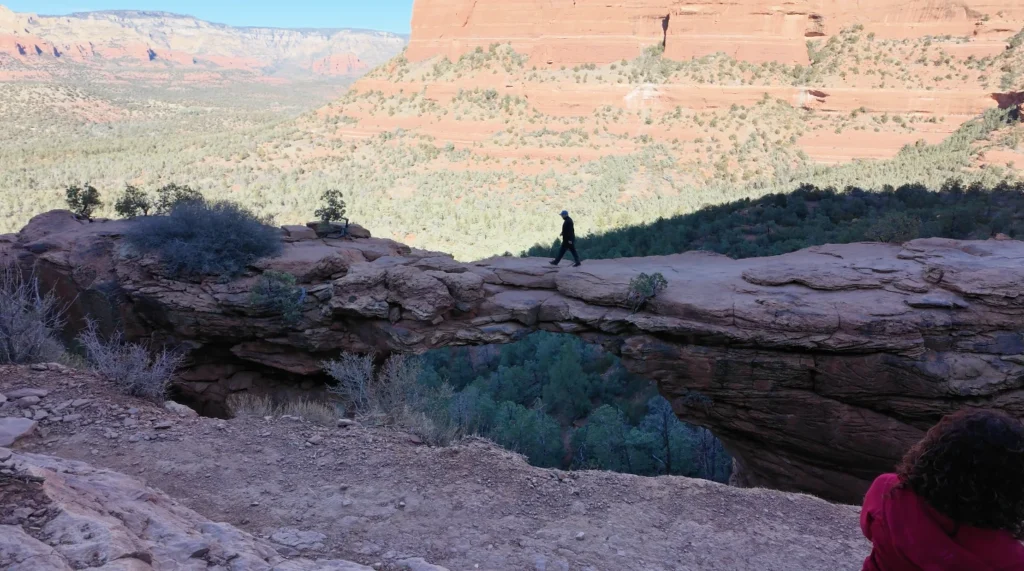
<point x="568" y="232"/>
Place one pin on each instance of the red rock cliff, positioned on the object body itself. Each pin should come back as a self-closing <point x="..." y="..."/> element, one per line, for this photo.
<point x="580" y="31"/>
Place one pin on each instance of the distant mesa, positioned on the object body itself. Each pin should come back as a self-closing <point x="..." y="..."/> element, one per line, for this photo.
<point x="119" y="38"/>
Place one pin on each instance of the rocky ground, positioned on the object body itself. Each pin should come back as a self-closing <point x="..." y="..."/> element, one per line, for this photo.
<point x="382" y="499"/>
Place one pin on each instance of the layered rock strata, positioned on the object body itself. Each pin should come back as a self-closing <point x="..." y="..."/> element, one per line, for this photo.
<point x="569" y="32"/>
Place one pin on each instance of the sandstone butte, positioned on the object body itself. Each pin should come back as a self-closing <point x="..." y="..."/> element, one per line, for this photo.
<point x="558" y="36"/>
<point x="157" y="39"/>
<point x="817" y="369"/>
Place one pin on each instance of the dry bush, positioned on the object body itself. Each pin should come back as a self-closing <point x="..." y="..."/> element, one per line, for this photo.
<point x="29" y="319"/>
<point x="392" y="397"/>
<point x="354" y="375"/>
<point x="246" y="404"/>
<point x="130" y="366"/>
<point x="318" y="412"/>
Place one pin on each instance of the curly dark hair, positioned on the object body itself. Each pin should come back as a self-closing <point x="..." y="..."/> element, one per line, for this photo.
<point x="970" y="467"/>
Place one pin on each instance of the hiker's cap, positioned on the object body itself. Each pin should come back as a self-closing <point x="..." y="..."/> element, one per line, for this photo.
<point x="565" y="213"/>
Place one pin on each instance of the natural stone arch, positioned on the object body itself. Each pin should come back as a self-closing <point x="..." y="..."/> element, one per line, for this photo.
<point x="821" y="366"/>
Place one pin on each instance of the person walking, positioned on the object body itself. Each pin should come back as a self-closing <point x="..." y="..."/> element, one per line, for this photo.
<point x="955" y="503"/>
<point x="568" y="241"/>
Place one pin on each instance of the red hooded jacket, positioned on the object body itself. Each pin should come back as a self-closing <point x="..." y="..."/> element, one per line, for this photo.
<point x="907" y="534"/>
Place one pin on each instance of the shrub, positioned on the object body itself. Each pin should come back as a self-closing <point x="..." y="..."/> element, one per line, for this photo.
<point x="133" y="202"/>
<point x="83" y="200"/>
<point x="277" y="293"/>
<point x="333" y="209"/>
<point x="29" y="320"/>
<point x="1017" y="40"/>
<point x="354" y="375"/>
<point x="391" y="397"/>
<point x="201" y="239"/>
<point x="172" y="196"/>
<point x="257" y="406"/>
<point x="314" y="411"/>
<point x="644" y="288"/>
<point x="130" y="366"/>
<point x="894" y="228"/>
<point x="246" y="404"/>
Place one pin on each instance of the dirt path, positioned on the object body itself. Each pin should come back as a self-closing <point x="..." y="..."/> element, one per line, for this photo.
<point x="377" y="496"/>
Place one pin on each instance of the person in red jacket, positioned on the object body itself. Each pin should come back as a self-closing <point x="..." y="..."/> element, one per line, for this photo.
<point x="956" y="501"/>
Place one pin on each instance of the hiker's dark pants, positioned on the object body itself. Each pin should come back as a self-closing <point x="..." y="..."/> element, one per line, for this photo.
<point x="567" y="247"/>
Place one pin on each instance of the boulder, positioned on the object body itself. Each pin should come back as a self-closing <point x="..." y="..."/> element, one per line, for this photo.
<point x="13" y="429"/>
<point x="357" y="231"/>
<point x="180" y="409"/>
<point x="22" y="393"/>
<point x="298" y="233"/>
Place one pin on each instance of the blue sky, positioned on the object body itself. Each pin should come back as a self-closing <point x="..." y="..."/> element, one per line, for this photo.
<point x="388" y="15"/>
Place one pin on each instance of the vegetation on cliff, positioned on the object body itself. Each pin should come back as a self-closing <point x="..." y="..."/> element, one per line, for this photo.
<point x="809" y="216"/>
<point x="564" y="403"/>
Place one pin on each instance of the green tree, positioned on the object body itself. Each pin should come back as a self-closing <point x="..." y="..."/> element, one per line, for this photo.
<point x="529" y="432"/>
<point x="83" y="200"/>
<point x="672" y="440"/>
<point x="895" y="228"/>
<point x="604" y="442"/>
<point x="133" y="202"/>
<point x="333" y="207"/>
<point x="568" y="390"/>
<point x="170" y="196"/>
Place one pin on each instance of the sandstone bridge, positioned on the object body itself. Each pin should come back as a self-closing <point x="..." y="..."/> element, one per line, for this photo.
<point x="817" y="369"/>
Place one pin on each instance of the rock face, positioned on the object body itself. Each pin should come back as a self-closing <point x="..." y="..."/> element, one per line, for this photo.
<point x="569" y="32"/>
<point x="58" y="515"/>
<point x="162" y="39"/>
<point x="818" y="369"/>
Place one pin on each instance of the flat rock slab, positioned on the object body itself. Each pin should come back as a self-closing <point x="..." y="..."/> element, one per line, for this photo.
<point x="297" y="539"/>
<point x="22" y="393"/>
<point x="13" y="429"/>
<point x="159" y="530"/>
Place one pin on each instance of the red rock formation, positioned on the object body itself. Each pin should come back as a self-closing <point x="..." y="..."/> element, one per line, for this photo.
<point x="817" y="368"/>
<point x="567" y="32"/>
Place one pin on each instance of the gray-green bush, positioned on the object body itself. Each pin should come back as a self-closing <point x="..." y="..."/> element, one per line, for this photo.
<point x="276" y="293"/>
<point x="644" y="288"/>
<point x="131" y="367"/>
<point x="199" y="239"/>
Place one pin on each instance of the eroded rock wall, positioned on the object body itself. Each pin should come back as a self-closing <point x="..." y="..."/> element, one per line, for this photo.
<point x="569" y="32"/>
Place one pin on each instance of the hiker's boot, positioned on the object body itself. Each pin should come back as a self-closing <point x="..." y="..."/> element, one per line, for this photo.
<point x="553" y="263"/>
<point x="577" y="264"/>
